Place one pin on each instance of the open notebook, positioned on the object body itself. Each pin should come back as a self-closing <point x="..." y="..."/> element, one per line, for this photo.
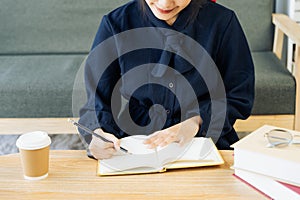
<point x="199" y="152"/>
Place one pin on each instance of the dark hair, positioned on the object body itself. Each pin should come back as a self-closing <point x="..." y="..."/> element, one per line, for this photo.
<point x="195" y="4"/>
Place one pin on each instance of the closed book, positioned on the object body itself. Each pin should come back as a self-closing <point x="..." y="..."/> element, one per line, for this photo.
<point x="252" y="153"/>
<point x="197" y="153"/>
<point x="268" y="186"/>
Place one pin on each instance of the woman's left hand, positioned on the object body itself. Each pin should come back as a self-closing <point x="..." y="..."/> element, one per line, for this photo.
<point x="182" y="133"/>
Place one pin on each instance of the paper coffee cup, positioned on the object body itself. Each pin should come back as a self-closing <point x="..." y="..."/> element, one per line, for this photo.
<point x="34" y="149"/>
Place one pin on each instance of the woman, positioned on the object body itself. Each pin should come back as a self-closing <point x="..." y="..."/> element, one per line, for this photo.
<point x="212" y="26"/>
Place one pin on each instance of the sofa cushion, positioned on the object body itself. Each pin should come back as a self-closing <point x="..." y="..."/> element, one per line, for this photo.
<point x="37" y="86"/>
<point x="50" y="26"/>
<point x="38" y="92"/>
<point x="256" y="20"/>
<point x="275" y="87"/>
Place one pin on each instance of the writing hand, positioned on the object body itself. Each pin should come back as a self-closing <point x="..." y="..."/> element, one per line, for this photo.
<point x="102" y="150"/>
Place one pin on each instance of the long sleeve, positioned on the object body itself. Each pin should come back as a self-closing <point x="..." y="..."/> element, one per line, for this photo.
<point x="236" y="67"/>
<point x="100" y="81"/>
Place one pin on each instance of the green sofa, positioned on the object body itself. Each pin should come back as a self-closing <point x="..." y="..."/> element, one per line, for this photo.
<point x="275" y="87"/>
<point x="43" y="44"/>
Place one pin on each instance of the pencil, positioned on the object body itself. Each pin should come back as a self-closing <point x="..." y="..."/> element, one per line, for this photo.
<point x="94" y="134"/>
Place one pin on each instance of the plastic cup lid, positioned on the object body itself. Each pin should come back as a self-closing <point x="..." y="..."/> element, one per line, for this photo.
<point x="33" y="140"/>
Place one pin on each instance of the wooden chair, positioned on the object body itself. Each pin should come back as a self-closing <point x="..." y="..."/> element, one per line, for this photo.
<point x="283" y="26"/>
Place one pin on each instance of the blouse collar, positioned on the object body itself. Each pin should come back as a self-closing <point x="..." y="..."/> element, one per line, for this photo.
<point x="172" y="41"/>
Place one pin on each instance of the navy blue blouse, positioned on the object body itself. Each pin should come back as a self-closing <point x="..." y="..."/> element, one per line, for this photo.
<point x="167" y="73"/>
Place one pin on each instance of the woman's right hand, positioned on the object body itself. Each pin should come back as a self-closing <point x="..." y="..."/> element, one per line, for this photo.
<point x="102" y="150"/>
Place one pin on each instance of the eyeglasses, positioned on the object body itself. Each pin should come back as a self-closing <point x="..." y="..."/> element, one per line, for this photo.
<point x="281" y="138"/>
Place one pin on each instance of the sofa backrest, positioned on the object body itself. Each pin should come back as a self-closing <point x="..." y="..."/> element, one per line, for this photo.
<point x="256" y="19"/>
<point x="50" y="26"/>
<point x="69" y="26"/>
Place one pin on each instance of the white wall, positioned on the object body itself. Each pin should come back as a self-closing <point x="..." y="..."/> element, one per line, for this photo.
<point x="281" y="6"/>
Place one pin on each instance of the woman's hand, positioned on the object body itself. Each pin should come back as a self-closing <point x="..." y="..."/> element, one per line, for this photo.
<point x="100" y="149"/>
<point x="181" y="133"/>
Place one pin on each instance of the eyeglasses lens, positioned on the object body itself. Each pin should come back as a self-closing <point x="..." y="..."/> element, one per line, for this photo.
<point x="279" y="137"/>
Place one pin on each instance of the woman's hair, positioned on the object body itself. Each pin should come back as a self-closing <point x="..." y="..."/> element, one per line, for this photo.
<point x="195" y="4"/>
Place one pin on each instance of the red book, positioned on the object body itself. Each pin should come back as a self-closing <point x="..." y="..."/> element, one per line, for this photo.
<point x="291" y="187"/>
<point x="251" y="186"/>
<point x="269" y="187"/>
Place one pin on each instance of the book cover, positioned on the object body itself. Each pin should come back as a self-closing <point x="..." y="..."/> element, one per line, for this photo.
<point x="271" y="188"/>
<point x="252" y="153"/>
<point x="291" y="187"/>
<point x="199" y="152"/>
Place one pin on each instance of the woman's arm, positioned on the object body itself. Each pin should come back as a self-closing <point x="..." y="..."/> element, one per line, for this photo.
<point x="236" y="67"/>
<point x="100" y="81"/>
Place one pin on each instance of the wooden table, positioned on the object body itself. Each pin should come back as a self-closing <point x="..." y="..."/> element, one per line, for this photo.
<point x="73" y="176"/>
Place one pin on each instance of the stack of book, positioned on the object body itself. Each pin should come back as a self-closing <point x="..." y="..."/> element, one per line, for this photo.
<point x="274" y="171"/>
